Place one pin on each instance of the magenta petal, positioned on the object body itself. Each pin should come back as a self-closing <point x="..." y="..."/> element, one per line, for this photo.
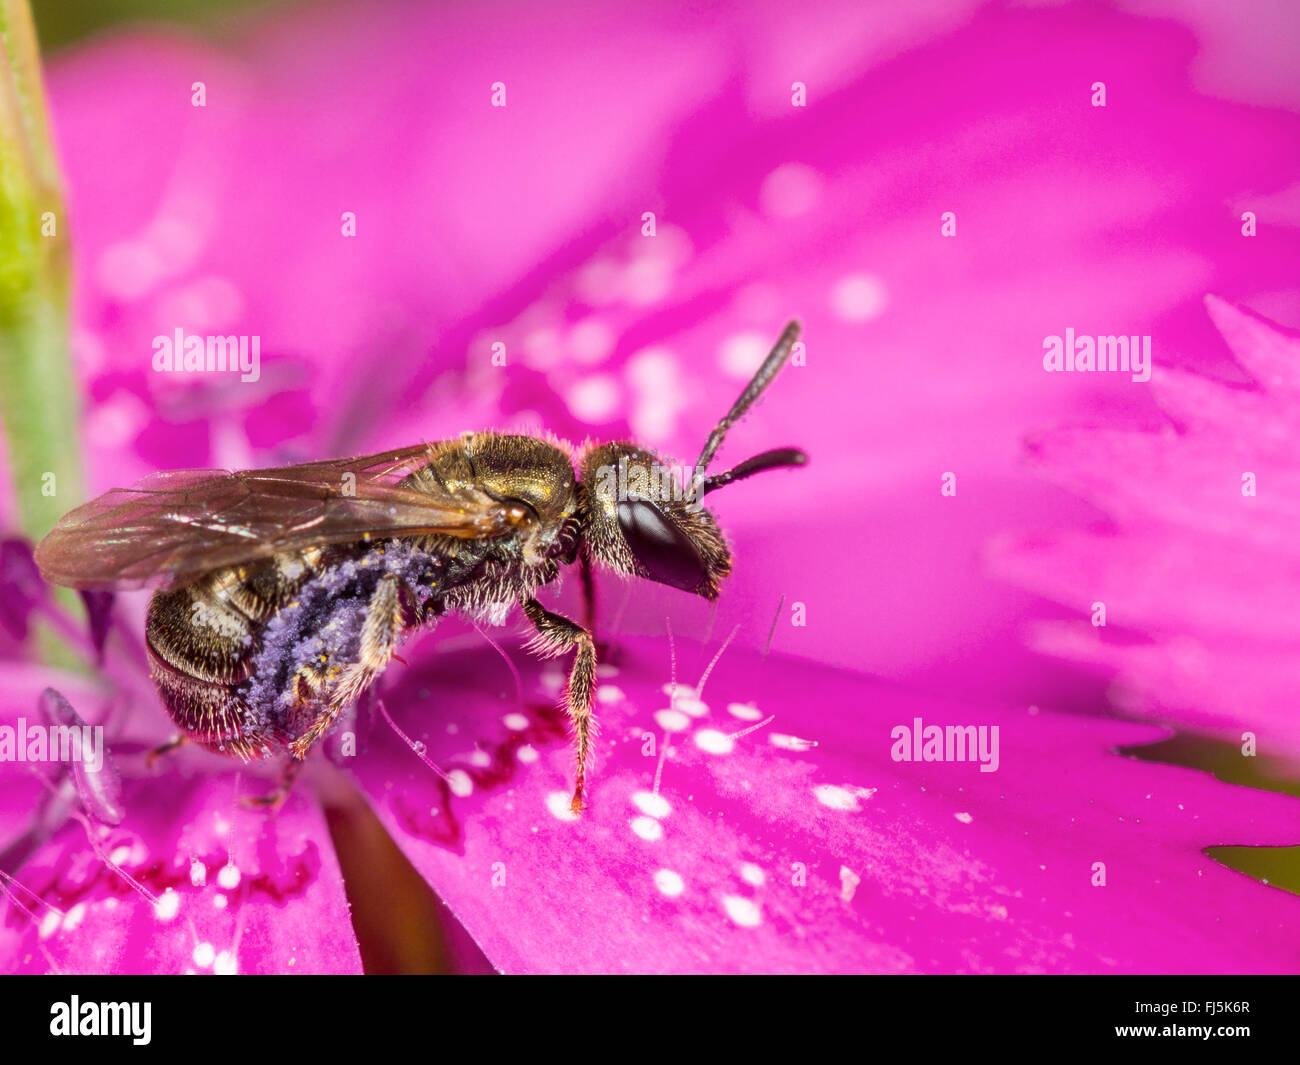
<point x="520" y="226"/>
<point x="190" y="881"/>
<point x="99" y="788"/>
<point x="1202" y="560"/>
<point x="227" y="891"/>
<point x="800" y="845"/>
<point x="21" y="587"/>
<point x="755" y="849"/>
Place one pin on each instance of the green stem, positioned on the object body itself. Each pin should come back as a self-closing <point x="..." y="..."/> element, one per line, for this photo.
<point x="38" y="396"/>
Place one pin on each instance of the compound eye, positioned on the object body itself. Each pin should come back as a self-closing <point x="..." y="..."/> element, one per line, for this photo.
<point x="663" y="550"/>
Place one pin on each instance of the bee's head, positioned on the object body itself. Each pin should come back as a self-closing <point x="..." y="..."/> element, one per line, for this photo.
<point x="641" y="522"/>
<point x="644" y="517"/>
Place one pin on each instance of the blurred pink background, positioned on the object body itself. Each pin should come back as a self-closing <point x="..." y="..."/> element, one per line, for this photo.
<point x="523" y="225"/>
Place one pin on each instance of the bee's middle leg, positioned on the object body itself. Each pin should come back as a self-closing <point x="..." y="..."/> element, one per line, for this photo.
<point x="588" y="595"/>
<point x="387" y="615"/>
<point x="555" y="635"/>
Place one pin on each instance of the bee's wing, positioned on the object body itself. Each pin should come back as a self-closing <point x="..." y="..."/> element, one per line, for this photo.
<point x="174" y="526"/>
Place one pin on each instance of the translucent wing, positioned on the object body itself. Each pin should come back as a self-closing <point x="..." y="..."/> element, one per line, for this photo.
<point x="174" y="526"/>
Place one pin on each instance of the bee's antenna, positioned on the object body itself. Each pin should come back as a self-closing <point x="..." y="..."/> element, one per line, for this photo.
<point x="758" y="383"/>
<point x="768" y="460"/>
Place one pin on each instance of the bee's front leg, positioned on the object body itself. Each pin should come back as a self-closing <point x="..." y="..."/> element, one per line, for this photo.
<point x="555" y="635"/>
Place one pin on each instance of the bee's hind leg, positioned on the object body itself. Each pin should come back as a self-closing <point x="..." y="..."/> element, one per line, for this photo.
<point x="174" y="744"/>
<point x="555" y="635"/>
<point x="273" y="800"/>
<point x="387" y="614"/>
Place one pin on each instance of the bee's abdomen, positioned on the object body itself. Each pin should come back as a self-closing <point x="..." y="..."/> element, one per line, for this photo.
<point x="202" y="640"/>
<point x="192" y="631"/>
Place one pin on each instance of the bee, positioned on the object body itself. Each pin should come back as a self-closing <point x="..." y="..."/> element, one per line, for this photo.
<point x="281" y="594"/>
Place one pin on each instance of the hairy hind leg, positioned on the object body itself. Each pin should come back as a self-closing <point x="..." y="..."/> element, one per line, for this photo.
<point x="387" y="615"/>
<point x="273" y="800"/>
<point x="555" y="635"/>
<point x="174" y="744"/>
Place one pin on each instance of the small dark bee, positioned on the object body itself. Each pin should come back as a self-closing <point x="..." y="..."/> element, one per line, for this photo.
<point x="283" y="593"/>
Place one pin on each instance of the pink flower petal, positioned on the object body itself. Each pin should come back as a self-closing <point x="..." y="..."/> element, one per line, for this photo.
<point x="1204" y="561"/>
<point x="190" y="881"/>
<point x="782" y="837"/>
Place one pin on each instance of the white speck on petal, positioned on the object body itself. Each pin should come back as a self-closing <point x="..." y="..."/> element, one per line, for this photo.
<point x="542" y="348"/>
<point x="597" y="282"/>
<point x="128" y="269"/>
<point x="647" y="828"/>
<point x="557" y="802"/>
<point x="515" y="722"/>
<point x="690" y="703"/>
<point x="225" y="965"/>
<point x="744" y="711"/>
<point x="652" y="370"/>
<point x="198" y="873"/>
<point x="790" y="190"/>
<point x="206" y="304"/>
<point x="742" y="353"/>
<point x="460" y="783"/>
<point x="964" y="818"/>
<point x="595" y="398"/>
<point x="858" y="298"/>
<point x="167" y="906"/>
<point x="229" y="877"/>
<point x="849" y="881"/>
<point x="116" y="422"/>
<point x="526" y="754"/>
<point x="204" y="955"/>
<point x="742" y="911"/>
<point x="711" y="741"/>
<point x="669" y="883"/>
<point x="835" y="797"/>
<point x="650" y="803"/>
<point x="752" y="874"/>
<point x="591" y="340"/>
<point x="790" y="743"/>
<point x="647" y="279"/>
<point x="50" y="924"/>
<point x="653" y="420"/>
<point x="672" y="720"/>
